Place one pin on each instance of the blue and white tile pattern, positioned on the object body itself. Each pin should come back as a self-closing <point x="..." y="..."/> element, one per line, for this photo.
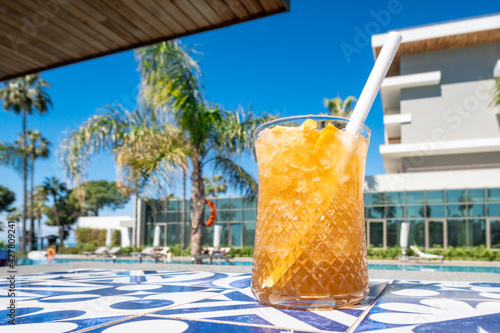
<point x="174" y="301"/>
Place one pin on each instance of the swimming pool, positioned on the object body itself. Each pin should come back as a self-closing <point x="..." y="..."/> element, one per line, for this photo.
<point x="438" y="268"/>
<point x="27" y="261"/>
<point x="401" y="267"/>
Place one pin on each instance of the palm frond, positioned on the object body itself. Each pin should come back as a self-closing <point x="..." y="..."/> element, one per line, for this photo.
<point x="12" y="155"/>
<point x="236" y="177"/>
<point x="172" y="81"/>
<point x="234" y="133"/>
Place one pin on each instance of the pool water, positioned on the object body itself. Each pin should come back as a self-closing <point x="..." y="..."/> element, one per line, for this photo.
<point x="438" y="268"/>
<point x="401" y="267"/>
<point x="27" y="261"/>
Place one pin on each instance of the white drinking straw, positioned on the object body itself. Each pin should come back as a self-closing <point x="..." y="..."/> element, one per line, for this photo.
<point x="374" y="83"/>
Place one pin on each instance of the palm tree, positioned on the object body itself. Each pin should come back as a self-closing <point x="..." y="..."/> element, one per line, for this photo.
<point x="214" y="185"/>
<point x="146" y="149"/>
<point x="52" y="186"/>
<point x="40" y="197"/>
<point x="337" y="107"/>
<point x="14" y="215"/>
<point x="23" y="96"/>
<point x="214" y="137"/>
<point x="38" y="148"/>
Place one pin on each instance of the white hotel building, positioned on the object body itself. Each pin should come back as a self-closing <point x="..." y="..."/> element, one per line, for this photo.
<point x="442" y="138"/>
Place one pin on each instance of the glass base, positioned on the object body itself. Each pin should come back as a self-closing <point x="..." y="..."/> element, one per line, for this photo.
<point x="310" y="303"/>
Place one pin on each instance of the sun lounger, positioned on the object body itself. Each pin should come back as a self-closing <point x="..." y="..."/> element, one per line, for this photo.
<point x="148" y="251"/>
<point x="114" y="251"/>
<point x="198" y="259"/>
<point x="425" y="256"/>
<point x="100" y="251"/>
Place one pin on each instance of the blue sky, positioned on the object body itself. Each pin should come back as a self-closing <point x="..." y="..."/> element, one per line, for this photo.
<point x="283" y="64"/>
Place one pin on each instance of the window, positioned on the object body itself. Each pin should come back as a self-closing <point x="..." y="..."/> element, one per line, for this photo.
<point x="494" y="210"/>
<point x="397" y="212"/>
<point x="435" y="196"/>
<point x="495" y="234"/>
<point x="395" y="198"/>
<point x="173" y="234"/>
<point x="250" y="202"/>
<point x="249" y="234"/>
<point x="224" y="241"/>
<point x="173" y="217"/>
<point x="476" y="195"/>
<point x="236" y="234"/>
<point x="372" y="199"/>
<point x="435" y="211"/>
<point x="393" y="232"/>
<point x="236" y="203"/>
<point x="477" y="232"/>
<point x="416" y="236"/>
<point x="476" y="210"/>
<point x="456" y="233"/>
<point x="377" y="234"/>
<point x="416" y="197"/>
<point x="493" y="195"/>
<point x="436" y="234"/>
<point x="375" y="212"/>
<point x="250" y="215"/>
<point x="413" y="212"/>
<point x="237" y="215"/>
<point x="224" y="215"/>
<point x="207" y="236"/>
<point x="173" y="204"/>
<point x="456" y="210"/>
<point x="456" y="196"/>
<point x="222" y="203"/>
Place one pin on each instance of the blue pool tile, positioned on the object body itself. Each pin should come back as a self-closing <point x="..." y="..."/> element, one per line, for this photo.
<point x="241" y="307"/>
<point x="446" y="289"/>
<point x="407" y="311"/>
<point x="156" y="324"/>
<point x="39" y="319"/>
<point x="142" y="304"/>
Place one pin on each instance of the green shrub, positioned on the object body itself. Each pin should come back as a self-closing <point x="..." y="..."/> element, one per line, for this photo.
<point x="237" y="252"/>
<point x="116" y="238"/>
<point x="452" y="253"/>
<point x="86" y="247"/>
<point x="176" y="250"/>
<point x="129" y="249"/>
<point x="89" y="235"/>
<point x="70" y="250"/>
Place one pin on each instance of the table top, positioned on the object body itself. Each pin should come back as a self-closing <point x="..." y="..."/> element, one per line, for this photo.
<point x="99" y="300"/>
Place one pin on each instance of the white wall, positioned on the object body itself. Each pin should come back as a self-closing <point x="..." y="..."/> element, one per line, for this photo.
<point x="436" y="180"/>
<point x="122" y="223"/>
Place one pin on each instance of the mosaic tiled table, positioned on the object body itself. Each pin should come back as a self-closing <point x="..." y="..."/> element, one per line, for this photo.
<point x="165" y="301"/>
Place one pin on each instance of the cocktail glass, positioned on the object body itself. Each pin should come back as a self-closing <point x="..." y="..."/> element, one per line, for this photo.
<point x="310" y="245"/>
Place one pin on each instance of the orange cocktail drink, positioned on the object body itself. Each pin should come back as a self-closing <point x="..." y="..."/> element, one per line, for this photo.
<point x="310" y="246"/>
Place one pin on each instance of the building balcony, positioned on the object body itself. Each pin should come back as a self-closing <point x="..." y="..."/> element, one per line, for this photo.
<point x="403" y="157"/>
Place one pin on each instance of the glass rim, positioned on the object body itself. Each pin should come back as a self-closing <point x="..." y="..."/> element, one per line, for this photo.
<point x="314" y="117"/>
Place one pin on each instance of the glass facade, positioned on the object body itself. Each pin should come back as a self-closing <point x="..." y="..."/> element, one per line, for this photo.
<point x="236" y="215"/>
<point x="438" y="219"/>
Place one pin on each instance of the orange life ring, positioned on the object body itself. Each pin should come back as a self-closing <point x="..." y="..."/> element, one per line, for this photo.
<point x="213" y="213"/>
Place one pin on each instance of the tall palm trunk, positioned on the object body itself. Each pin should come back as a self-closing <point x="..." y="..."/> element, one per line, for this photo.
<point x="32" y="201"/>
<point x="25" y="184"/>
<point x="61" y="233"/>
<point x="183" y="219"/>
<point x="136" y="208"/>
<point x="197" y="206"/>
<point x="40" y="231"/>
